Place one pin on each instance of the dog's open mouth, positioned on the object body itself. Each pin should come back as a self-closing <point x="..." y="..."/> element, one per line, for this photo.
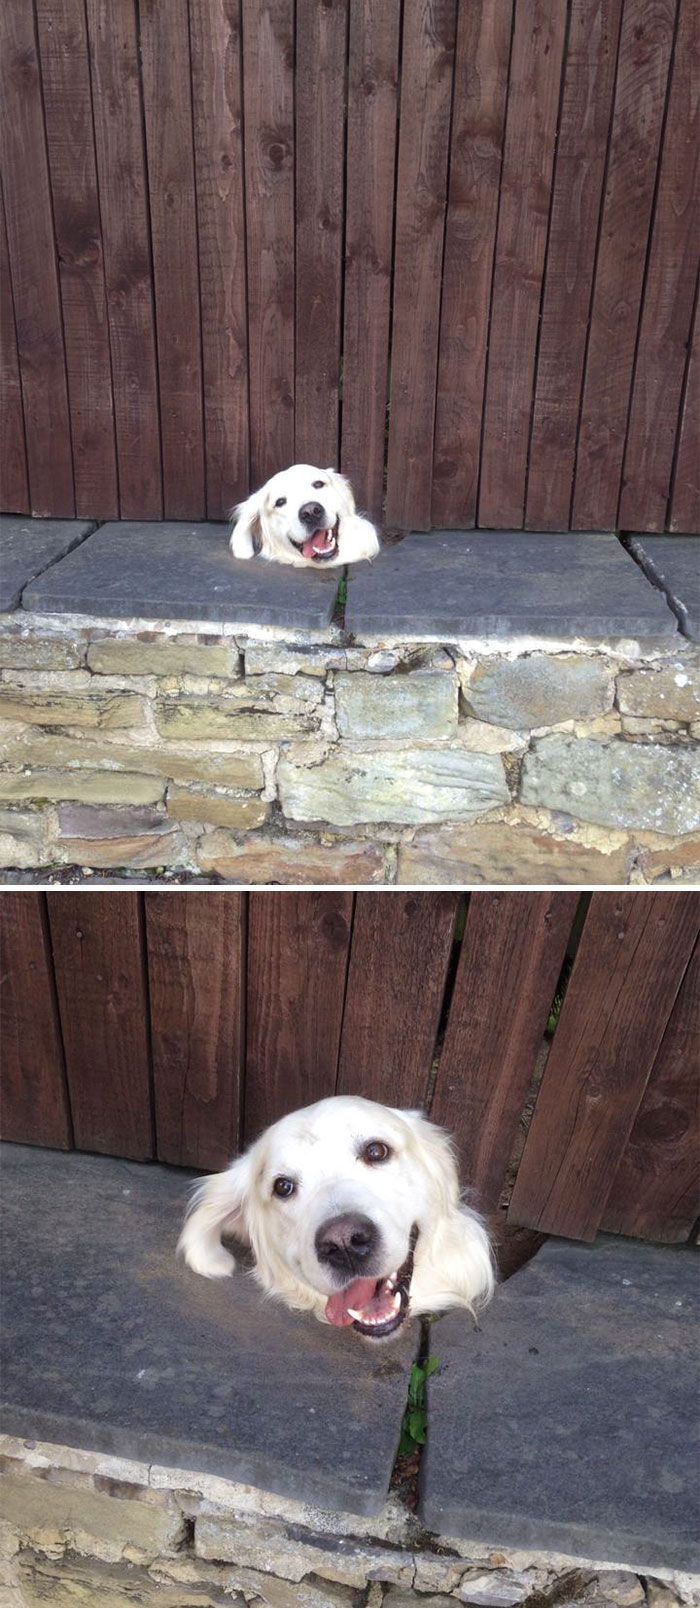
<point x="374" y="1307"/>
<point x="321" y="544"/>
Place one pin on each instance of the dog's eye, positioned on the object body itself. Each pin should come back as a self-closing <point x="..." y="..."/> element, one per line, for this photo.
<point x="283" y="1188"/>
<point x="375" y="1151"/>
<point x="318" y="484"/>
<point x="280" y="502"/>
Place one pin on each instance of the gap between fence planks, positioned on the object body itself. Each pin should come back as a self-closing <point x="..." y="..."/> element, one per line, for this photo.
<point x="14" y="486"/>
<point x="33" y="1096"/>
<point x="685" y="494"/>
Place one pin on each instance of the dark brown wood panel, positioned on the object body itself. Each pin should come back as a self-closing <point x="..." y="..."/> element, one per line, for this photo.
<point x="33" y="1096"/>
<point x="526" y="181"/>
<point x="215" y="31"/>
<point x="685" y="496"/>
<point x="476" y="152"/>
<point x="65" y="74"/>
<point x="298" y="945"/>
<point x="640" y="98"/>
<point x="512" y="954"/>
<point x="369" y="223"/>
<point x="320" y="60"/>
<point x="196" y="980"/>
<point x="586" y="111"/>
<point x="14" y="486"/>
<point x="167" y="96"/>
<point x="656" y="1191"/>
<point x="32" y="252"/>
<point x="97" y="941"/>
<point x="268" y="112"/>
<point x="121" y="168"/>
<point x="630" y="962"/>
<point x="401" y="945"/>
<point x="427" y="64"/>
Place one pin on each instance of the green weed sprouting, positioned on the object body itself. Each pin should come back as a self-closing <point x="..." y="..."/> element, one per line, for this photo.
<point x="415" y="1418"/>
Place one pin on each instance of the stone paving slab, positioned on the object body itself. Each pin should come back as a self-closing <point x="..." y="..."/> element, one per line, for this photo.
<point x="673" y="562"/>
<point x="179" y="571"/>
<point x="112" y="1345"/>
<point x="30" y="546"/>
<point x="466" y="583"/>
<point x="569" y="1420"/>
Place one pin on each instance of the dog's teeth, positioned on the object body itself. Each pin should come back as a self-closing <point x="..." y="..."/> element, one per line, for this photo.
<point x="396" y="1301"/>
<point x="358" y="1316"/>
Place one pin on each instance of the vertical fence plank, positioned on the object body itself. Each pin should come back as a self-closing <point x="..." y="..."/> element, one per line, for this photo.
<point x="640" y="98"/>
<point x="576" y="200"/>
<point x="268" y="111"/>
<point x="655" y="1191"/>
<point x="103" y="1003"/>
<point x="628" y="969"/>
<point x="476" y="149"/>
<point x="669" y="294"/>
<point x="424" y="136"/>
<point x="319" y="135"/>
<point x="512" y="953"/>
<point x="34" y="1101"/>
<point x="215" y="27"/>
<point x="531" y="127"/>
<point x="167" y="96"/>
<point x="14" y="487"/>
<point x="369" y="218"/>
<point x="33" y="266"/>
<point x="685" y="494"/>
<point x="196" y="981"/>
<point x="298" y="946"/>
<point x="396" y="982"/>
<point x="114" y="60"/>
<point x="65" y="73"/>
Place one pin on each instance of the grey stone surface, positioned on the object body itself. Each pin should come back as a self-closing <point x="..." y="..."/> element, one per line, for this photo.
<point x="112" y="1345"/>
<point x="408" y="785"/>
<point x="180" y="571"/>
<point x="539" y="690"/>
<point x="422" y="703"/>
<point x="30" y="546"/>
<point x="615" y="783"/>
<point x="673" y="562"/>
<point x="568" y="1420"/>
<point x="468" y="583"/>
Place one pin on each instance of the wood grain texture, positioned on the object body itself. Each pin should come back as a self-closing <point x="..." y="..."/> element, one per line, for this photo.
<point x="526" y="181"/>
<point x="97" y="944"/>
<point x="196" y="980"/>
<point x="396" y="982"/>
<point x="427" y="65"/>
<point x="369" y="221"/>
<point x="685" y="494"/>
<point x="33" y="1096"/>
<point x="320" y="64"/>
<point x="476" y="151"/>
<point x="655" y="1193"/>
<point x="167" y="96"/>
<point x="586" y="112"/>
<point x="215" y="37"/>
<point x="669" y="296"/>
<point x="14" y="485"/>
<point x="268" y="109"/>
<point x="629" y="965"/>
<point x="511" y="957"/>
<point x="65" y="73"/>
<point x="32" y="253"/>
<point x="640" y="98"/>
<point x="298" y="945"/>
<point x="121" y="168"/>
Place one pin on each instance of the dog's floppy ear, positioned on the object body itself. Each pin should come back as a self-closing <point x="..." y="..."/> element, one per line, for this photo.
<point x="343" y="491"/>
<point x="247" y="533"/>
<point x="437" y="1153"/>
<point x="218" y="1202"/>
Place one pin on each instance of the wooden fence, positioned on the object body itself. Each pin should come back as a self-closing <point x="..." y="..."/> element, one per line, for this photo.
<point x="450" y="245"/>
<point x="178" y="1025"/>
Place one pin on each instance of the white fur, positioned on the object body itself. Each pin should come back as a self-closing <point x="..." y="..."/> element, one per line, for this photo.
<point x="320" y="1147"/>
<point x="259" y="526"/>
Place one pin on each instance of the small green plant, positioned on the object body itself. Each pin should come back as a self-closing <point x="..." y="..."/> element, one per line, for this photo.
<point x="415" y="1418"/>
<point x="342" y="595"/>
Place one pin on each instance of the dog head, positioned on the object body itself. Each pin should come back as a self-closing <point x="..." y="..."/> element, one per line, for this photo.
<point x="302" y="516"/>
<point x="352" y="1210"/>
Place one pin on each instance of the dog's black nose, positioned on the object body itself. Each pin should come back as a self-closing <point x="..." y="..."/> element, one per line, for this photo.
<point x="346" y="1242"/>
<point x="311" y="514"/>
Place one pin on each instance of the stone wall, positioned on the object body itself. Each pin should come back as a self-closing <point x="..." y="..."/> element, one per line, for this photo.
<point x="246" y="757"/>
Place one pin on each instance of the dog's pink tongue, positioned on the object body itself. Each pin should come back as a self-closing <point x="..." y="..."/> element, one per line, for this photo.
<point x="320" y="542"/>
<point x="354" y="1295"/>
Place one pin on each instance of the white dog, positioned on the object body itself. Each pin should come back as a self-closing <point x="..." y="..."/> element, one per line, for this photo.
<point x="353" y="1212"/>
<point x="303" y="516"/>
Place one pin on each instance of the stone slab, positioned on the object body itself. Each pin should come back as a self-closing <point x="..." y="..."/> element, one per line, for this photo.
<point x="29" y="546"/>
<point x="181" y="572"/>
<point x="674" y="563"/>
<point x="479" y="583"/>
<point x="569" y="1419"/>
<point x="113" y="1345"/>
